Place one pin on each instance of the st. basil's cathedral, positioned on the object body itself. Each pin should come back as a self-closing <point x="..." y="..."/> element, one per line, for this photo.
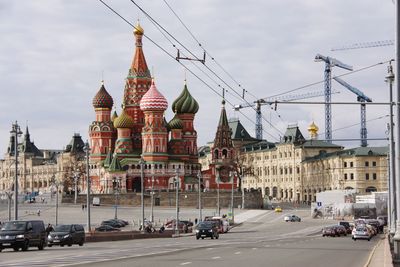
<point x="118" y="143"/>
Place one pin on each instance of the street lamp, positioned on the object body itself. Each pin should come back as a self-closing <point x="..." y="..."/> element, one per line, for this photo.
<point x="55" y="183"/>
<point x="116" y="185"/>
<point x="142" y="162"/>
<point x="232" y="204"/>
<point x="152" y="199"/>
<point x="76" y="177"/>
<point x="9" y="195"/>
<point x="16" y="130"/>
<point x="87" y="149"/>
<point x="218" y="205"/>
<point x="200" y="204"/>
<point x="177" y="184"/>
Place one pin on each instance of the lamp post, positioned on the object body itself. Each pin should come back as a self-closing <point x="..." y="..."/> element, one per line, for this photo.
<point x="9" y="198"/>
<point x="87" y="148"/>
<point x="200" y="204"/>
<point x="391" y="161"/>
<point x="142" y="162"/>
<point x="218" y="207"/>
<point x="177" y="185"/>
<point x="16" y="130"/>
<point x="116" y="182"/>
<point x="232" y="203"/>
<point x="152" y="199"/>
<point x="76" y="177"/>
<point x="55" y="183"/>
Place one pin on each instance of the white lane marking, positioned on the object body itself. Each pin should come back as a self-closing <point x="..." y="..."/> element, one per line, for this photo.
<point x="238" y="252"/>
<point x="185" y="263"/>
<point x="215" y="258"/>
<point x="209" y="248"/>
<point x="267" y="246"/>
<point x="254" y="248"/>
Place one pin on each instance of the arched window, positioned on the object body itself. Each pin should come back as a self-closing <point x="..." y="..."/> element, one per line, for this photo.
<point x="216" y="153"/>
<point x="370" y="189"/>
<point x="224" y="153"/>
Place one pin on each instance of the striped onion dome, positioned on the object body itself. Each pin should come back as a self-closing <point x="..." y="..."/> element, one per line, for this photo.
<point x="123" y="121"/>
<point x="102" y="99"/>
<point x="153" y="100"/>
<point x="185" y="103"/>
<point x="175" y="123"/>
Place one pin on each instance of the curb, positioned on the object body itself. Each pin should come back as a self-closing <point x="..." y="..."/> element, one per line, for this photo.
<point x="373" y="252"/>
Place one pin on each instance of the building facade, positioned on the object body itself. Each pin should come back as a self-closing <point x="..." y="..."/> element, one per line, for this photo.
<point x="140" y="141"/>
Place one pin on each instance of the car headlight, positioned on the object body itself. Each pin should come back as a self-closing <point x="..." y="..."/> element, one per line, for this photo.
<point x="49" y="237"/>
<point x="66" y="236"/>
<point x="197" y="231"/>
<point x="20" y="236"/>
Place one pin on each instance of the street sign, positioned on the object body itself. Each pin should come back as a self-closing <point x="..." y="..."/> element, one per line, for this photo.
<point x="319" y="204"/>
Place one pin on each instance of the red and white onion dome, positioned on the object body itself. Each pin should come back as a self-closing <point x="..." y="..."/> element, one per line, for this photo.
<point x="153" y="100"/>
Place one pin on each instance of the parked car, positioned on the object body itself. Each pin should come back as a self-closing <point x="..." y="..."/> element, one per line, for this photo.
<point x="106" y="228"/>
<point x="278" y="209"/>
<point x="207" y="229"/>
<point x="23" y="234"/>
<point x="341" y="230"/>
<point x="292" y="218"/>
<point x="346" y="225"/>
<point x="188" y="226"/>
<point x="114" y="223"/>
<point x="221" y="226"/>
<point x="67" y="234"/>
<point x="330" y="231"/>
<point x="361" y="232"/>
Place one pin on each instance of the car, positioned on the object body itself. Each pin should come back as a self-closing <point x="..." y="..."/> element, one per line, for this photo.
<point x="341" y="230"/>
<point x="106" y="228"/>
<point x="207" y="229"/>
<point x="113" y="222"/>
<point x="330" y="231"/>
<point x="188" y="226"/>
<point x="67" y="234"/>
<point x="292" y="218"/>
<point x="278" y="209"/>
<point x="346" y="225"/>
<point x="22" y="235"/>
<point x="361" y="232"/>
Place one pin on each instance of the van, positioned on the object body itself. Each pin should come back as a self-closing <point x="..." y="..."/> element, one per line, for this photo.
<point x="22" y="235"/>
<point x="67" y="234"/>
<point x="96" y="201"/>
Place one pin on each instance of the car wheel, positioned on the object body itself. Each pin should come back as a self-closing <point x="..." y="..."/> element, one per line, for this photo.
<point x="217" y="237"/>
<point x="81" y="243"/>
<point x="61" y="245"/>
<point x="15" y="249"/>
<point x="25" y="246"/>
<point x="197" y="237"/>
<point x="369" y="239"/>
<point x="299" y="220"/>
<point x="49" y="245"/>
<point x="202" y="237"/>
<point x="212" y="236"/>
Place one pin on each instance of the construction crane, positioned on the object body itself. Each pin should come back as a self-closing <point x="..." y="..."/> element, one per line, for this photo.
<point x="361" y="97"/>
<point x="271" y="100"/>
<point x="364" y="45"/>
<point x="329" y="63"/>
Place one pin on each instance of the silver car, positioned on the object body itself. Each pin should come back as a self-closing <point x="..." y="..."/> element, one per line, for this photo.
<point x="292" y="218"/>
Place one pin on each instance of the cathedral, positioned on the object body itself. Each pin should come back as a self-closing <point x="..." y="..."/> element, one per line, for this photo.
<point x="140" y="139"/>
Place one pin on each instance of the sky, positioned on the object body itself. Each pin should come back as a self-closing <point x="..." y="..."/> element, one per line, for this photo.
<point x="54" y="54"/>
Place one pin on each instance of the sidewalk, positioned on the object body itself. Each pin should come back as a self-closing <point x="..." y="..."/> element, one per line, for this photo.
<point x="380" y="255"/>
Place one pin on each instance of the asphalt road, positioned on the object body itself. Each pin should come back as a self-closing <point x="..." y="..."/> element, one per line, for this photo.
<point x="262" y="240"/>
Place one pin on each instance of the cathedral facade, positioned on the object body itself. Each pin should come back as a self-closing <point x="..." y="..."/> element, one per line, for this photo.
<point x="140" y="141"/>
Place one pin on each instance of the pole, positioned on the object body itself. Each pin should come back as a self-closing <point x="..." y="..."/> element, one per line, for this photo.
<point x="152" y="199"/>
<point x="141" y="162"/>
<point x="76" y="188"/>
<point x="232" y="204"/>
<point x="218" y="207"/>
<point x="9" y="197"/>
<point x="115" y="198"/>
<point x="56" y="203"/>
<point x="241" y="182"/>
<point x="177" y="202"/>
<point x="16" y="131"/>
<point x="200" y="204"/>
<point x="396" y="237"/>
<point x="391" y="162"/>
<point x="87" y="185"/>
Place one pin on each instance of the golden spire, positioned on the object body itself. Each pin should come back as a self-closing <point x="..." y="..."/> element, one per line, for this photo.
<point x="138" y="29"/>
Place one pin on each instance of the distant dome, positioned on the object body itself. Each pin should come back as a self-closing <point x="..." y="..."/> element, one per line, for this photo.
<point x="123" y="121"/>
<point x="138" y="30"/>
<point x="313" y="127"/>
<point x="185" y="103"/>
<point x="175" y="123"/>
<point x="102" y="99"/>
<point x="153" y="100"/>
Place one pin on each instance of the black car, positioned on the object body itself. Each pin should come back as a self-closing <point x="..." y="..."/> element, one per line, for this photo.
<point x="207" y="229"/>
<point x="23" y="234"/>
<point x="346" y="225"/>
<point x="106" y="228"/>
<point x="114" y="223"/>
<point x="67" y="234"/>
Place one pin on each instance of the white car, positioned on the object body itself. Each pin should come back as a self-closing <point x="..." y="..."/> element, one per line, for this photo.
<point x="292" y="218"/>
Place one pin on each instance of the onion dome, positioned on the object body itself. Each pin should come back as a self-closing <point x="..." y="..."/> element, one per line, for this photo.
<point x="114" y="116"/>
<point x="153" y="100"/>
<point x="185" y="103"/>
<point x="313" y="127"/>
<point x="175" y="123"/>
<point x="102" y="99"/>
<point x="123" y="121"/>
<point x="138" y="29"/>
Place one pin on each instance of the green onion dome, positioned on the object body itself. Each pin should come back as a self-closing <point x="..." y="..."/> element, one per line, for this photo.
<point x="175" y="123"/>
<point x="102" y="99"/>
<point x="185" y="103"/>
<point x="123" y="121"/>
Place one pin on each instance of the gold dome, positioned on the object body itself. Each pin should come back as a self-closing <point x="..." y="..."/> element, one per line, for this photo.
<point x="313" y="127"/>
<point x="138" y="29"/>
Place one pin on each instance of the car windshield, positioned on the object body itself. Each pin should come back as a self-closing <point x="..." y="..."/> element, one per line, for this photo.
<point x="205" y="225"/>
<point x="361" y="229"/>
<point x="13" y="226"/>
<point x="62" y="228"/>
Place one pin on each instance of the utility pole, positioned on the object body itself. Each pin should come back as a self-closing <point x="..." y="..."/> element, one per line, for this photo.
<point x="200" y="204"/>
<point x="218" y="207"/>
<point x="55" y="184"/>
<point x="75" y="187"/>
<point x="87" y="148"/>
<point x="16" y="130"/>
<point x="9" y="198"/>
<point x="391" y="159"/>
<point x="177" y="183"/>
<point x="232" y="201"/>
<point x="142" y="162"/>
<point x="117" y="181"/>
<point x="152" y="200"/>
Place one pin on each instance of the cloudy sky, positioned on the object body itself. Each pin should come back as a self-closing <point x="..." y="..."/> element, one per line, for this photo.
<point x="54" y="53"/>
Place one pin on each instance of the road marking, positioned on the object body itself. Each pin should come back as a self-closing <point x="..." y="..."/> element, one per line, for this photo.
<point x="267" y="246"/>
<point x="209" y="248"/>
<point x="186" y="263"/>
<point x="237" y="253"/>
<point x="215" y="258"/>
<point x="254" y="248"/>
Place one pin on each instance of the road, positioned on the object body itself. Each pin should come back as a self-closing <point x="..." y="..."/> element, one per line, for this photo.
<point x="263" y="239"/>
